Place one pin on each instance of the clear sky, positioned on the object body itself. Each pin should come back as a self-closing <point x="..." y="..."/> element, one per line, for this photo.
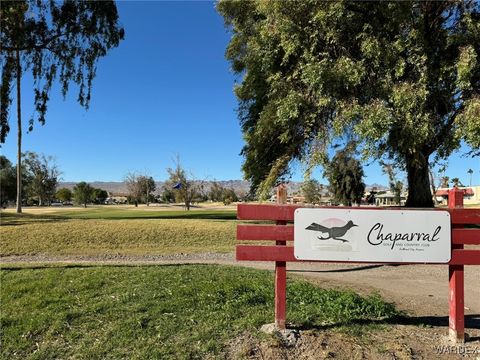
<point x="166" y="90"/>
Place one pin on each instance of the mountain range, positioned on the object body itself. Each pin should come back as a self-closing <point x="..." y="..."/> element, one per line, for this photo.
<point x="239" y="186"/>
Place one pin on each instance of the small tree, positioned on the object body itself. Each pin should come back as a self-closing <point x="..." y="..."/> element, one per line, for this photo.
<point x="167" y="196"/>
<point x="43" y="174"/>
<point x="456" y="182"/>
<point x="146" y="186"/>
<point x="83" y="193"/>
<point x="185" y="188"/>
<point x="99" y="196"/>
<point x="311" y="190"/>
<point x="345" y="175"/>
<point x="133" y="188"/>
<point x="216" y="192"/>
<point x="229" y="196"/>
<point x="396" y="186"/>
<point x="445" y="180"/>
<point x="64" y="194"/>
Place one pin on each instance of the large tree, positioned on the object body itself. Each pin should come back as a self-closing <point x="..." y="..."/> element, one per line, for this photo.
<point x="43" y="175"/>
<point x="7" y="181"/>
<point x="64" y="195"/>
<point x="83" y="193"/>
<point x="52" y="40"/>
<point x="401" y="78"/>
<point x="345" y="175"/>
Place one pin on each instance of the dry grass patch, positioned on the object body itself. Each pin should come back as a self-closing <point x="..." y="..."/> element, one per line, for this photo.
<point x="113" y="237"/>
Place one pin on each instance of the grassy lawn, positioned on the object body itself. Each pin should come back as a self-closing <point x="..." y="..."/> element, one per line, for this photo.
<point x="175" y="312"/>
<point x="104" y="231"/>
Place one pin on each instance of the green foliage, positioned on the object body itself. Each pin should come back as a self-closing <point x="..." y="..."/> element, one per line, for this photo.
<point x="156" y="312"/>
<point x="42" y="174"/>
<point x="99" y="196"/>
<point x="220" y="193"/>
<point x="345" y="175"/>
<point x="312" y="191"/>
<point x="64" y="194"/>
<point x="184" y="186"/>
<point x="56" y="40"/>
<point x="8" y="181"/>
<point x="83" y="193"/>
<point x="456" y="182"/>
<point x="396" y="186"/>
<point x="401" y="78"/>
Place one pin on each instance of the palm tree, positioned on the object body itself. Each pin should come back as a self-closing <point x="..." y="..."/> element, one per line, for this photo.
<point x="456" y="182"/>
<point x="470" y="172"/>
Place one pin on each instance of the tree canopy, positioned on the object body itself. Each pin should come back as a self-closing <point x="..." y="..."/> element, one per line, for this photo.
<point x="345" y="175"/>
<point x="7" y="181"/>
<point x="43" y="174"/>
<point x="400" y="78"/>
<point x="83" y="193"/>
<point x="55" y="40"/>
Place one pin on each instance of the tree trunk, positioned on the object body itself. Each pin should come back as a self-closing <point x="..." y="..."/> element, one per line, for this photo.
<point x="85" y="205"/>
<point x="419" y="191"/>
<point x="19" y="137"/>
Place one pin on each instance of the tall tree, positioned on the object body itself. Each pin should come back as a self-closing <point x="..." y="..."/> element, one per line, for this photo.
<point x="312" y="191"/>
<point x="134" y="188"/>
<point x="146" y="187"/>
<point x="83" y="193"/>
<point x="470" y="172"/>
<point x="7" y="181"/>
<point x="345" y="175"/>
<point x="43" y="174"/>
<point x="402" y="78"/>
<point x="396" y="186"/>
<point x="54" y="40"/>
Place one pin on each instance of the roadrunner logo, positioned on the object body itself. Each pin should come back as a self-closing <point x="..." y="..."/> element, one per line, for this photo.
<point x="330" y="229"/>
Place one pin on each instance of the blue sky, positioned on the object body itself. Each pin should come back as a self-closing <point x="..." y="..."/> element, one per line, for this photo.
<point x="166" y="90"/>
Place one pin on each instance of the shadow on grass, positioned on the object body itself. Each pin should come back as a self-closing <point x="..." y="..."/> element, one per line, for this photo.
<point x="358" y="268"/>
<point x="9" y="219"/>
<point x="194" y="215"/>
<point x="471" y="321"/>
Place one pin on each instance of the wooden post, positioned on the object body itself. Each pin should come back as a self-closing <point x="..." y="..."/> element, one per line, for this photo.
<point x="281" y="272"/>
<point x="456" y="315"/>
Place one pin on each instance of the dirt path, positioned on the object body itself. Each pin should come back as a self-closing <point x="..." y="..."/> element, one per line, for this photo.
<point x="420" y="290"/>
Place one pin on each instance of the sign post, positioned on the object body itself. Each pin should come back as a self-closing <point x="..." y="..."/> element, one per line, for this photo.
<point x="281" y="272"/>
<point x="456" y="314"/>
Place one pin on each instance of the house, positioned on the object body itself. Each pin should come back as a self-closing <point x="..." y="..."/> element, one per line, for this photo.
<point x="471" y="195"/>
<point x="388" y="199"/>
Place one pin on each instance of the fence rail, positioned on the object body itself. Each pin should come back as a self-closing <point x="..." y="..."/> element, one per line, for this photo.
<point x="282" y="232"/>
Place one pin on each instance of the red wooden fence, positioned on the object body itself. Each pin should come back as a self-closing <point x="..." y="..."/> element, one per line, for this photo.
<point x="281" y="253"/>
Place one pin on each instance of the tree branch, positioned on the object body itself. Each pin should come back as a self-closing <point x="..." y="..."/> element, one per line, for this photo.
<point x="41" y="46"/>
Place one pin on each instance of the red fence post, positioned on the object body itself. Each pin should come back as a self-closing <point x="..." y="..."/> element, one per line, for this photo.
<point x="281" y="273"/>
<point x="456" y="278"/>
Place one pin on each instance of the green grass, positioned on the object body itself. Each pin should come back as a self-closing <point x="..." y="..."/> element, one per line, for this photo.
<point x="112" y="237"/>
<point x="114" y="213"/>
<point x="172" y="312"/>
<point x="116" y="231"/>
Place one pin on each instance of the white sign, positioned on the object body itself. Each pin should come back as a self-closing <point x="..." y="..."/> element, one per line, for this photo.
<point x="413" y="236"/>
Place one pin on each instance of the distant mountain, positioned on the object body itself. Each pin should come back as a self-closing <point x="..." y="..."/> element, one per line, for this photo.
<point x="239" y="186"/>
<point x="120" y="187"/>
